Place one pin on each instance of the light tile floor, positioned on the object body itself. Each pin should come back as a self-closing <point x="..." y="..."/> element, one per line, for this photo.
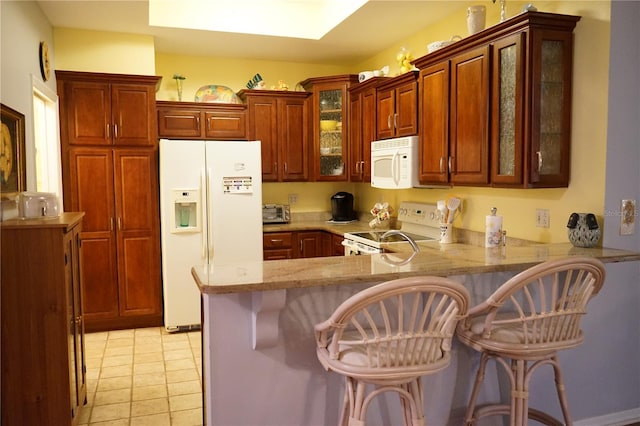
<point x="144" y="376"/>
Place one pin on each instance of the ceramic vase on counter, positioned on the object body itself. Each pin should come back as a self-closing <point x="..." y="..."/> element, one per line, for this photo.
<point x="583" y="229"/>
<point x="476" y="17"/>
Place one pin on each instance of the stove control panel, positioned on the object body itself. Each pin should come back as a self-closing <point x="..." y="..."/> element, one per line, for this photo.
<point x="418" y="214"/>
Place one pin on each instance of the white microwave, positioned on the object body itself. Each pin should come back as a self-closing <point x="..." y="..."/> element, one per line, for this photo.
<point x="394" y="163"/>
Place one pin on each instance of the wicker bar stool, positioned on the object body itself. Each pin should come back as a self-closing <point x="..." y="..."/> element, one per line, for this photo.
<point x="389" y="336"/>
<point x="524" y="324"/>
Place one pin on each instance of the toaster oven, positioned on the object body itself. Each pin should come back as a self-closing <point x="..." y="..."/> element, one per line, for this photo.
<point x="276" y="213"/>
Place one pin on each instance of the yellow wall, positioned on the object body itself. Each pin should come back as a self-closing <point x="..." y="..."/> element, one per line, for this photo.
<point x="132" y="54"/>
<point x="97" y="51"/>
<point x="231" y="72"/>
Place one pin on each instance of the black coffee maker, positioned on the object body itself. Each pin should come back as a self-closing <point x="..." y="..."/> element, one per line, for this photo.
<point x="342" y="207"/>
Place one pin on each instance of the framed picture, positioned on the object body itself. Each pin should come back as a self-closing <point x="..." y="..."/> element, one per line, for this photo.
<point x="12" y="160"/>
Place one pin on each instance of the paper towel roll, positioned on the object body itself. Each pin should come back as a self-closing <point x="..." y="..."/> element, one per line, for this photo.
<point x="493" y="231"/>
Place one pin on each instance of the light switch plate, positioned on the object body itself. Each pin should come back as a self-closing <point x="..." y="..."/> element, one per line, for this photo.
<point x="628" y="217"/>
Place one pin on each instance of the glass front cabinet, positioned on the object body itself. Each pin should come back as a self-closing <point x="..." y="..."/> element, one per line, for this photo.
<point x="329" y="153"/>
<point x="531" y="104"/>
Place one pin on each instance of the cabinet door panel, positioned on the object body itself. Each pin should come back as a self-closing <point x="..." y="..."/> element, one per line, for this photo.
<point x="310" y="244"/>
<point x="406" y="110"/>
<point x="507" y="143"/>
<point x="88" y="106"/>
<point x="368" y="131"/>
<point x="225" y="125"/>
<point x="551" y="108"/>
<point x="179" y="123"/>
<point x="91" y="191"/>
<point x="138" y="241"/>
<point x="133" y="114"/>
<point x="263" y="127"/>
<point x="355" y="138"/>
<point x="434" y="122"/>
<point x="386" y="110"/>
<point x="469" y="117"/>
<point x="294" y="139"/>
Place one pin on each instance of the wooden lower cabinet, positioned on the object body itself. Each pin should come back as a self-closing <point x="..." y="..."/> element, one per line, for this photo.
<point x="277" y="245"/>
<point x="121" y="268"/>
<point x="301" y="244"/>
<point x="43" y="360"/>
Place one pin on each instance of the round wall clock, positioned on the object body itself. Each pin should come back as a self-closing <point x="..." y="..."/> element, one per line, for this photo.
<point x="45" y="67"/>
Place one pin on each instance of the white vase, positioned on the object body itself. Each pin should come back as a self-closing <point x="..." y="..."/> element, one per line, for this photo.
<point x="476" y="16"/>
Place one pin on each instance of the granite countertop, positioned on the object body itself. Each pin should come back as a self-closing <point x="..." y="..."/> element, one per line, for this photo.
<point x="433" y="259"/>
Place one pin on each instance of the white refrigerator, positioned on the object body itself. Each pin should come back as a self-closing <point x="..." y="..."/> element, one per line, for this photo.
<point x="210" y="206"/>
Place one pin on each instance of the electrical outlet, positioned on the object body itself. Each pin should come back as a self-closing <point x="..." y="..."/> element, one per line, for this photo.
<point x="293" y="198"/>
<point x="542" y="218"/>
<point x="628" y="217"/>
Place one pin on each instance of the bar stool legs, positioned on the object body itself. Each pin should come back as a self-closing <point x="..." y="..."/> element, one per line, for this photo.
<point x="519" y="372"/>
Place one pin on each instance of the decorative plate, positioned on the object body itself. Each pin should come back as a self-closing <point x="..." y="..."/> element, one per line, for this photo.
<point x="216" y="94"/>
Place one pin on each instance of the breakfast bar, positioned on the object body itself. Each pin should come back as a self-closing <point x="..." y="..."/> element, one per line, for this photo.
<point x="258" y="341"/>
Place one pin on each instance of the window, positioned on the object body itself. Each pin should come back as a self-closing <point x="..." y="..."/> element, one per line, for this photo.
<point x="46" y="141"/>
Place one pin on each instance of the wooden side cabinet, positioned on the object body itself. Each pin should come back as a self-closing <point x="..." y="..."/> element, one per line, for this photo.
<point x="43" y="360"/>
<point x="195" y="120"/>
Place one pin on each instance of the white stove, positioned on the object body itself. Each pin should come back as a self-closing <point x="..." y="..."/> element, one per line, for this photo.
<point x="418" y="220"/>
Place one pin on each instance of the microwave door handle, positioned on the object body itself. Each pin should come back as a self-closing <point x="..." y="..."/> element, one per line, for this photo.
<point x="395" y="163"/>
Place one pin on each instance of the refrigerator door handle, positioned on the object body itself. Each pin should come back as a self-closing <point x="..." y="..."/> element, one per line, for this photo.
<point x="203" y="217"/>
<point x="210" y="216"/>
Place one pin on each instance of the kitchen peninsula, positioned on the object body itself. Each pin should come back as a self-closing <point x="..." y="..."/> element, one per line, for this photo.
<point x="258" y="318"/>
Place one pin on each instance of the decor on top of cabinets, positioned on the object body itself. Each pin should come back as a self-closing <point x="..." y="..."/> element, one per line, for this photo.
<point x="476" y="18"/>
<point x="214" y="93"/>
<point x="179" y="83"/>
<point x="397" y="106"/>
<point x="404" y="59"/>
<point x="13" y="170"/>
<point x="523" y="113"/>
<point x="329" y="99"/>
<point x="280" y="120"/>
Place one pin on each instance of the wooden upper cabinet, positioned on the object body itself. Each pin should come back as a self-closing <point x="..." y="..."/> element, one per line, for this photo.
<point x="280" y="121"/>
<point x="509" y="94"/>
<point x="397" y="106"/>
<point x="107" y="109"/>
<point x="329" y="154"/>
<point x="362" y="128"/>
<point x="454" y="120"/>
<point x="194" y="120"/>
<point x="434" y="123"/>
